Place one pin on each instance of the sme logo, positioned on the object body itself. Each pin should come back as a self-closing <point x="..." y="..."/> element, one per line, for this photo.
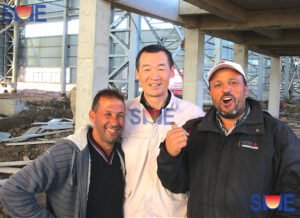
<point x="282" y="202"/>
<point x="23" y="12"/>
<point x="138" y="116"/>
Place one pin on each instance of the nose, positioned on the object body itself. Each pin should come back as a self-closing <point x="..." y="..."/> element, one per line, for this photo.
<point x="154" y="74"/>
<point x="226" y="88"/>
<point x="114" y="120"/>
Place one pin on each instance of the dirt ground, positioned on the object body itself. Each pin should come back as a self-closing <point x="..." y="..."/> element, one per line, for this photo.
<point x="41" y="107"/>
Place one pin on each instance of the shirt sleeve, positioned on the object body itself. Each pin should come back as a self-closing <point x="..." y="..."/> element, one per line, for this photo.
<point x="288" y="182"/>
<point x="172" y="171"/>
<point x="18" y="194"/>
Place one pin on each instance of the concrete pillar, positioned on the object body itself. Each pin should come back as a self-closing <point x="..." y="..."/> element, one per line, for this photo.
<point x="286" y="77"/>
<point x="218" y="51"/>
<point x="64" y="49"/>
<point x="93" y="55"/>
<point x="241" y="55"/>
<point x="274" y="91"/>
<point x="193" y="66"/>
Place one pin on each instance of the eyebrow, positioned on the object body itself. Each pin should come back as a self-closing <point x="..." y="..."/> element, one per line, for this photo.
<point x="159" y="65"/>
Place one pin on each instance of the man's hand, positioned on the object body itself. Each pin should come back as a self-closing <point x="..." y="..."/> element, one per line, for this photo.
<point x="176" y="140"/>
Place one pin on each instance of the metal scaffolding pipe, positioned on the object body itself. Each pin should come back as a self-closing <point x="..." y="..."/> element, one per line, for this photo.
<point x="15" y="53"/>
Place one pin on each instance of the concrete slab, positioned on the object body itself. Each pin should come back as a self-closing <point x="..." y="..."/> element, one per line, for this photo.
<point x="10" y="107"/>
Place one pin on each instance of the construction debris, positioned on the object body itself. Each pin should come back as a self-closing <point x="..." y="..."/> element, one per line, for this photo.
<point x="52" y="127"/>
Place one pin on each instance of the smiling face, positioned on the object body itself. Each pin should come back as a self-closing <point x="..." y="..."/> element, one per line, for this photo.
<point x="154" y="74"/>
<point x="229" y="92"/>
<point x="108" y="121"/>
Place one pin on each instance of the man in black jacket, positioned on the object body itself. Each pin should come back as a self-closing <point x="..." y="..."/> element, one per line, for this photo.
<point x="237" y="161"/>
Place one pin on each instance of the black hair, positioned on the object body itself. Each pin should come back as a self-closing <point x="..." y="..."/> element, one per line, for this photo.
<point x="154" y="48"/>
<point x="107" y="93"/>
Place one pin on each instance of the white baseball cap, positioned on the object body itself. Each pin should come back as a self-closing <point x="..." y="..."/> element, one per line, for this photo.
<point x="226" y="64"/>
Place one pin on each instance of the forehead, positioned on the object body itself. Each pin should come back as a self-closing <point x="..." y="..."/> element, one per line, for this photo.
<point x="111" y="103"/>
<point x="156" y="58"/>
<point x="225" y="74"/>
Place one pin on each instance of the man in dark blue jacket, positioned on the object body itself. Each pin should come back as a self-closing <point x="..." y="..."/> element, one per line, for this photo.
<point x="237" y="161"/>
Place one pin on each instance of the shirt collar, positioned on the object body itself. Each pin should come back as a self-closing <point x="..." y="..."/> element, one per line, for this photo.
<point x="148" y="107"/>
<point x="97" y="147"/>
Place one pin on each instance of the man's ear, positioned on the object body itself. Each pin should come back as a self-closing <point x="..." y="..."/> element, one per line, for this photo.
<point x="137" y="76"/>
<point x="92" y="116"/>
<point x="246" y="90"/>
<point x="172" y="71"/>
<point x="209" y="90"/>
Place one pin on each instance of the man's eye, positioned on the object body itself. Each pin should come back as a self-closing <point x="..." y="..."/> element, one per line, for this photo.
<point x="233" y="83"/>
<point x="217" y="86"/>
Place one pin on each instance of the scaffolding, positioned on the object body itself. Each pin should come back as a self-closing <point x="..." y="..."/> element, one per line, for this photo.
<point x="8" y="44"/>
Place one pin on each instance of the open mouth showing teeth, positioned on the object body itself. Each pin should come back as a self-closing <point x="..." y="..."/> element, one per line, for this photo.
<point x="227" y="100"/>
<point x="112" y="130"/>
<point x="154" y="85"/>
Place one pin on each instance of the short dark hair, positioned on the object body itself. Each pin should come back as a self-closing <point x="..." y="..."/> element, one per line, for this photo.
<point x="154" y="48"/>
<point x="106" y="93"/>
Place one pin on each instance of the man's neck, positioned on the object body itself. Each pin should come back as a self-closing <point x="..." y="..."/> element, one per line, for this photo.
<point x="156" y="102"/>
<point x="228" y="123"/>
<point x="107" y="148"/>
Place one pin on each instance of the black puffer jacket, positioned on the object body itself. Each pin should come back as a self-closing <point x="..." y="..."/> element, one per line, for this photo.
<point x="227" y="175"/>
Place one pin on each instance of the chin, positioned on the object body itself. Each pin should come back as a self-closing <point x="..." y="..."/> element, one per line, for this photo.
<point x="155" y="94"/>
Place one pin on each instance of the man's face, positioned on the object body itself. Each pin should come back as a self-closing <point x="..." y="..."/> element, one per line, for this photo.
<point x="228" y="92"/>
<point x="108" y="121"/>
<point x="154" y="74"/>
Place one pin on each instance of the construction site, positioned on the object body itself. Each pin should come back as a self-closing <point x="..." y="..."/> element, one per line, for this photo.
<point x="56" y="54"/>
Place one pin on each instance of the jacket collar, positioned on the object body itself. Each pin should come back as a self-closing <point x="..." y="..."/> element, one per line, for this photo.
<point x="80" y="137"/>
<point x="252" y="125"/>
<point x="137" y="103"/>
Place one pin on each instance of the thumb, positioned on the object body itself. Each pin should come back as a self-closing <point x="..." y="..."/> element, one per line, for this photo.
<point x="174" y="125"/>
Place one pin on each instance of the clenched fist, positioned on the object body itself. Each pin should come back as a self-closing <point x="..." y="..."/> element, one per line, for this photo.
<point x="176" y="140"/>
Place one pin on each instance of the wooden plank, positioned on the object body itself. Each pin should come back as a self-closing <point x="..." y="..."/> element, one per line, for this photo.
<point x="26" y="158"/>
<point x="30" y="143"/>
<point x="46" y="123"/>
<point x="9" y="170"/>
<point x="56" y="127"/>
<point x="25" y="137"/>
<point x="15" y="163"/>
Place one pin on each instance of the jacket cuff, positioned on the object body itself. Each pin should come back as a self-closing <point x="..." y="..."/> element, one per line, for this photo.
<point x="165" y="156"/>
